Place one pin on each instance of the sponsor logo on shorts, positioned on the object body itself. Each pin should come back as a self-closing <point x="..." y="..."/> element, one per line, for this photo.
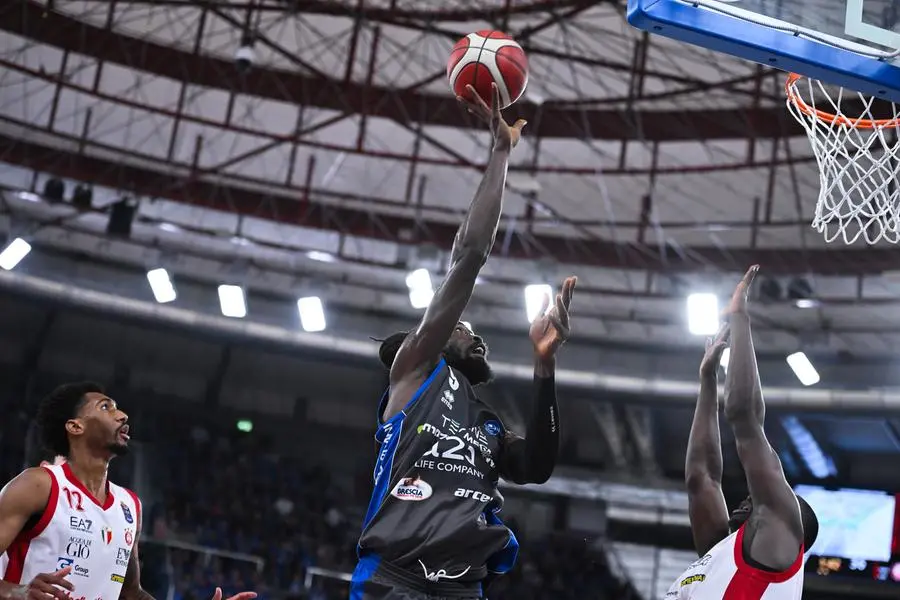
<point x="492" y="427"/>
<point x="692" y="579"/>
<point x="117" y="578"/>
<point x="412" y="489"/>
<point x="62" y="562"/>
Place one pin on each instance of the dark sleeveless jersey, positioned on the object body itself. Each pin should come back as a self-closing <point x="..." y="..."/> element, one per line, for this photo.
<point x="433" y="510"/>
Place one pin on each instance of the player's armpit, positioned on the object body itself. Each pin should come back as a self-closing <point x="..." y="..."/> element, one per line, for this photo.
<point x="23" y="499"/>
<point x="532" y="459"/>
<point x="708" y="513"/>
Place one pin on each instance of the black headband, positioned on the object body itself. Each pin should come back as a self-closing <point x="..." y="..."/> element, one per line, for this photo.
<point x="389" y="347"/>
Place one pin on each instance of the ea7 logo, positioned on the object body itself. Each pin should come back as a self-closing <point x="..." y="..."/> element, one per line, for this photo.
<point x="473" y="494"/>
<point x="79" y="524"/>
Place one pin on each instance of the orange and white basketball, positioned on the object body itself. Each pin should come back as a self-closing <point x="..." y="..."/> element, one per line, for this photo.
<point x="486" y="57"/>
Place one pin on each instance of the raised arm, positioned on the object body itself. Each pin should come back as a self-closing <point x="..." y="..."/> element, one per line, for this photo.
<point x="422" y="348"/>
<point x="775" y="528"/>
<point x="532" y="459"/>
<point x="703" y="463"/>
<point x="22" y="502"/>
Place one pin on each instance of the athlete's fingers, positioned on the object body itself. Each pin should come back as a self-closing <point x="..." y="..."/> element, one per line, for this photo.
<point x="42" y="587"/>
<point x="56" y="579"/>
<point x="561" y="311"/>
<point x="218" y="594"/>
<point x="562" y="329"/>
<point x="478" y="101"/>
<point x="243" y="596"/>
<point x="495" y="100"/>
<point x="569" y="290"/>
<point x="545" y="304"/>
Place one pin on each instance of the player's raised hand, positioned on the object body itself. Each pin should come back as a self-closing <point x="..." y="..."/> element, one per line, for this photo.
<point x="505" y="136"/>
<point x="240" y="596"/>
<point x="738" y="304"/>
<point x="715" y="346"/>
<point x="550" y="329"/>
<point x="49" y="585"/>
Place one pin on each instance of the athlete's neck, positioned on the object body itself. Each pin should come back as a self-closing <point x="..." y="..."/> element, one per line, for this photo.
<point x="91" y="471"/>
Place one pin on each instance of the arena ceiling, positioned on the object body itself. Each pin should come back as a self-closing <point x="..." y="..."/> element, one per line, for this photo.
<point x="649" y="167"/>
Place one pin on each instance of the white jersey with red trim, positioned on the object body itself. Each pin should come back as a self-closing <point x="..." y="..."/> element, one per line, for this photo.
<point x="77" y="531"/>
<point x="723" y="574"/>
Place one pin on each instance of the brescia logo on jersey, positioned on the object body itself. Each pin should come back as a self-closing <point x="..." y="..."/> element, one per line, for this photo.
<point x="412" y="489"/>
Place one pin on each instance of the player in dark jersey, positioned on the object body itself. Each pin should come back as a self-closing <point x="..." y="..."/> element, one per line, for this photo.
<point x="432" y="530"/>
<point x="777" y="524"/>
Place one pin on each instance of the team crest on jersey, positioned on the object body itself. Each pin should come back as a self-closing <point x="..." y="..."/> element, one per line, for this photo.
<point x="129" y="537"/>
<point x="106" y="535"/>
<point x="127" y="513"/>
<point x="412" y="489"/>
<point x="492" y="427"/>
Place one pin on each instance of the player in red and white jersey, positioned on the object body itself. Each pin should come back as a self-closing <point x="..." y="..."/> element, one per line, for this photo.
<point x="757" y="552"/>
<point x="44" y="458"/>
<point x="68" y="532"/>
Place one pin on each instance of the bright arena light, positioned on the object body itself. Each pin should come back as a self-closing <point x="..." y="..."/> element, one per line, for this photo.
<point x="420" y="289"/>
<point x="13" y="254"/>
<point x="803" y="368"/>
<point x="161" y="286"/>
<point x="535" y="295"/>
<point x="312" y="314"/>
<point x="703" y="314"/>
<point x="231" y="301"/>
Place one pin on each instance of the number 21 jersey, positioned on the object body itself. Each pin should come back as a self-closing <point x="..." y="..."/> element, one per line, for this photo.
<point x="433" y="510"/>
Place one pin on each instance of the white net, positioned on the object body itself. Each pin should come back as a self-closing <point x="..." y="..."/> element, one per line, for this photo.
<point x="859" y="160"/>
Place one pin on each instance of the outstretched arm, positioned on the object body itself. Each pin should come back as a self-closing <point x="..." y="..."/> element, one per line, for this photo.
<point x="775" y="523"/>
<point x="532" y="459"/>
<point x="703" y="463"/>
<point x="422" y="348"/>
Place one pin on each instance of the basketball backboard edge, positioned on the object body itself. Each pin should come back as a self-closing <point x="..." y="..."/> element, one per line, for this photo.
<point x="779" y="49"/>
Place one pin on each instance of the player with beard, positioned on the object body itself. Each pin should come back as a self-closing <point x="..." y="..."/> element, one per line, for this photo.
<point x="431" y="529"/>
<point x="68" y="532"/>
<point x="756" y="553"/>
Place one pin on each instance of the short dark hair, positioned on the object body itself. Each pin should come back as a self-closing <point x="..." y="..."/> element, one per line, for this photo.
<point x="810" y="523"/>
<point x="389" y="348"/>
<point x="62" y="404"/>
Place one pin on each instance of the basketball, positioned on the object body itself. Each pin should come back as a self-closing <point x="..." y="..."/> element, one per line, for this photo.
<point x="486" y="57"/>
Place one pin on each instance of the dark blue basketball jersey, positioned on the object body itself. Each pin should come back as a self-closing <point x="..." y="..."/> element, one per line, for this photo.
<point x="434" y="508"/>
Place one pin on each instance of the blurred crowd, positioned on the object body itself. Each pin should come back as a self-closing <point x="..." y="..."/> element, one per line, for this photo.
<point x="229" y="491"/>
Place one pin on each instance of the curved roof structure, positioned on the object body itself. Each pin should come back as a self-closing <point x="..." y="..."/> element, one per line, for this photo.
<point x="650" y="168"/>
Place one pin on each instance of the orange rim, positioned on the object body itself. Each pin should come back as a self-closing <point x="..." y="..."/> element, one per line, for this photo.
<point x="790" y="86"/>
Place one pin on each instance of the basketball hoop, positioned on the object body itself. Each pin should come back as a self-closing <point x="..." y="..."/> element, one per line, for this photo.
<point x="859" y="162"/>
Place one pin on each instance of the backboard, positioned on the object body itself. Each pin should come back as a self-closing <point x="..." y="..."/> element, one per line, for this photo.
<point x="851" y="43"/>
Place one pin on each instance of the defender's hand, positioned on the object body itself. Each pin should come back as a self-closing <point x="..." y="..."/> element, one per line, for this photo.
<point x="505" y="137"/>
<point x="715" y="346"/>
<point x="738" y="304"/>
<point x="47" y="586"/>
<point x="550" y="329"/>
<point x="240" y="596"/>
